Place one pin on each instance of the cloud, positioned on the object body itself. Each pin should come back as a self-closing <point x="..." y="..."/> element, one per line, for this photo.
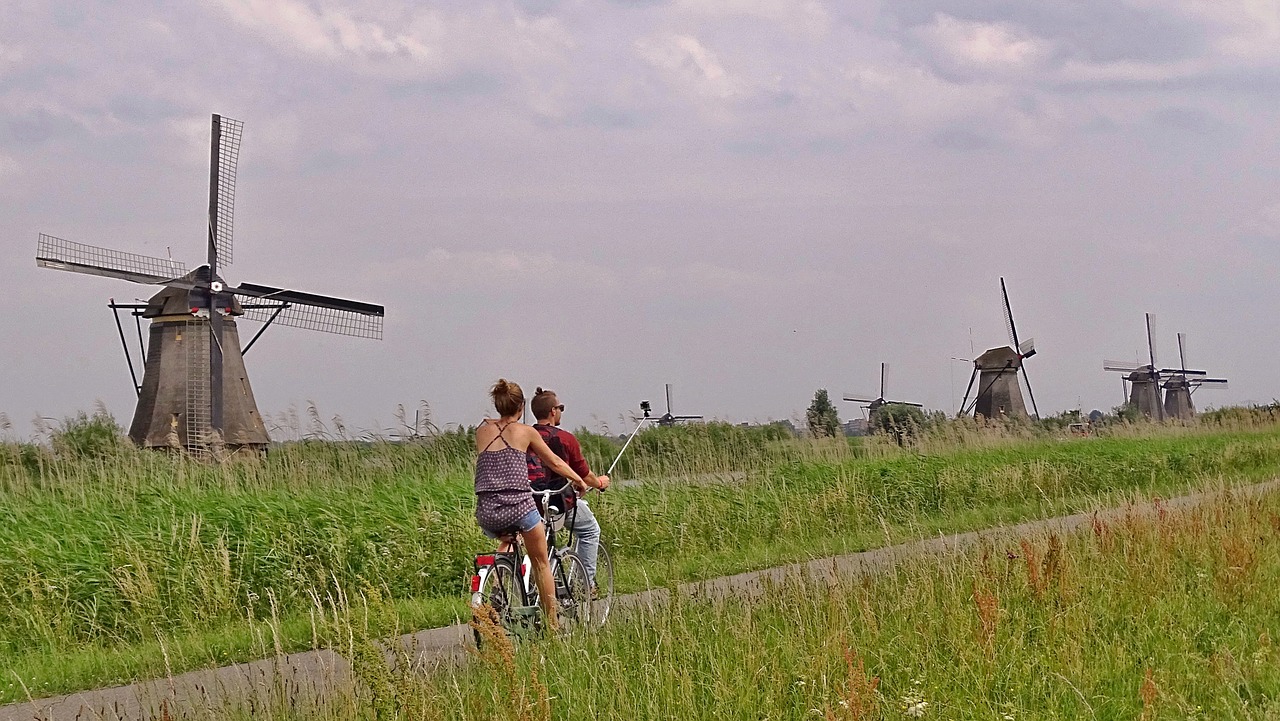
<point x="983" y="47"/>
<point x="689" y="66"/>
<point x="330" y="32"/>
<point x="809" y="16"/>
<point x="8" y="167"/>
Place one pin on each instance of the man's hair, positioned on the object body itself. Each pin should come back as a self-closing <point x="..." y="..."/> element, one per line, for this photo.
<point x="543" y="403"/>
<point x="508" y="399"/>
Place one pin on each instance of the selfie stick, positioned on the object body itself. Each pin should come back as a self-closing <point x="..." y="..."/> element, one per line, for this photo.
<point x="646" y="419"/>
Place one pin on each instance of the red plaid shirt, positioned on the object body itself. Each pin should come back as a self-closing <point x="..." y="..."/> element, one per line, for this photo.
<point x="565" y="445"/>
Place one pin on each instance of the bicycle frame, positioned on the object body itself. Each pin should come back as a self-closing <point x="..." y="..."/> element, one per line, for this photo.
<point x="484" y="563"/>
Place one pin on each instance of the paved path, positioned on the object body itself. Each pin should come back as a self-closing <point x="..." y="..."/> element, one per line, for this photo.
<point x="316" y="674"/>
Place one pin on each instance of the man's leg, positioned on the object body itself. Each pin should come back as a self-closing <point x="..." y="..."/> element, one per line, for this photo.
<point x="586" y="537"/>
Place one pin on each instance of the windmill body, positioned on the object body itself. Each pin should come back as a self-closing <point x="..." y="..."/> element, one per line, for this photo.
<point x="996" y="373"/>
<point x="195" y="392"/>
<point x="169" y="414"/>
<point x="874" y="403"/>
<point x="1144" y="391"/>
<point x="1177" y="399"/>
<point x="999" y="393"/>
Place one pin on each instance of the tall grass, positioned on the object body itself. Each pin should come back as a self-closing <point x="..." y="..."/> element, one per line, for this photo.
<point x="110" y="554"/>
<point x="1170" y="615"/>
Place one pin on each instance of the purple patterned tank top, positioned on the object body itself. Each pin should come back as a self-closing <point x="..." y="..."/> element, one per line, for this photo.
<point x="503" y="495"/>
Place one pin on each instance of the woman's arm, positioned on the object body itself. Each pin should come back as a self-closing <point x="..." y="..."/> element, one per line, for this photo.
<point x="554" y="462"/>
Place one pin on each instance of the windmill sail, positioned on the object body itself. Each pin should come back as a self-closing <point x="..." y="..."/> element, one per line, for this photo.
<point x="225" y="154"/>
<point x="58" y="254"/>
<point x="310" y="311"/>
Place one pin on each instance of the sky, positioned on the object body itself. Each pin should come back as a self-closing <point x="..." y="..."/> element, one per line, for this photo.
<point x="747" y="199"/>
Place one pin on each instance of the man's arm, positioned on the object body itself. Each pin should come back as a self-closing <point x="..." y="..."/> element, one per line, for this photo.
<point x="573" y="456"/>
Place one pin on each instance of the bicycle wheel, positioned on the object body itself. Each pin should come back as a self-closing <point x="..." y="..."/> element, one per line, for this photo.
<point x="494" y="603"/>
<point x="573" y="592"/>
<point x="603" y="602"/>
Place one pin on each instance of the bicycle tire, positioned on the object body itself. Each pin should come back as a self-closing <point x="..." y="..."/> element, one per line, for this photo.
<point x="573" y="593"/>
<point x="603" y="602"/>
<point x="499" y="591"/>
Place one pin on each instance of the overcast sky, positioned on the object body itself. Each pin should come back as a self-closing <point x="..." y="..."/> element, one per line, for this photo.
<point x="749" y="199"/>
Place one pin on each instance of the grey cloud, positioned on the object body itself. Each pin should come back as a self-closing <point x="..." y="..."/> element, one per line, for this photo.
<point x="1195" y="121"/>
<point x="1098" y="30"/>
<point x="37" y="127"/>
<point x="962" y="138"/>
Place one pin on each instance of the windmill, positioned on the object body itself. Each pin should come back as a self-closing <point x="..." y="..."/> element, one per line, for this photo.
<point x="669" y="419"/>
<point x="195" y="392"/>
<point x="874" y="404"/>
<point x="996" y="372"/>
<point x="1180" y="383"/>
<point x="1144" y="380"/>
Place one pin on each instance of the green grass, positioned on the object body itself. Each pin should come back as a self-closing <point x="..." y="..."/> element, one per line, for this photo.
<point x="1167" y="616"/>
<point x="127" y="565"/>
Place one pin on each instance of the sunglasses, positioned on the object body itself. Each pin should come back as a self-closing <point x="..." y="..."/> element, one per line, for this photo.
<point x="560" y="408"/>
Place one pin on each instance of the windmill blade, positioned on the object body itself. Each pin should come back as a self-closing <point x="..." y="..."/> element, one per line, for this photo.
<point x="1008" y="315"/>
<point x="860" y="398"/>
<point x="1182" y="350"/>
<point x="312" y="312"/>
<point x="1151" y="342"/>
<point x="1026" y="378"/>
<point x="883" y="367"/>
<point x="224" y="154"/>
<point x="686" y="418"/>
<point x="1213" y="382"/>
<point x="58" y="254"/>
<point x="1121" y="366"/>
<point x="965" y="402"/>
<point x="1183" y="372"/>
<point x="904" y="403"/>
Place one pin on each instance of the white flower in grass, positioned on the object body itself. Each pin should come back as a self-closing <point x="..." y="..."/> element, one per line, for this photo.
<point x="917" y="709"/>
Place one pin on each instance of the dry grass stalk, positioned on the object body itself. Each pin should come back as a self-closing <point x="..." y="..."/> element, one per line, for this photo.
<point x="860" y="700"/>
<point x="988" y="606"/>
<point x="1149" y="694"/>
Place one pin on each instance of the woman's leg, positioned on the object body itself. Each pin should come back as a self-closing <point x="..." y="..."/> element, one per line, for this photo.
<point x="535" y="543"/>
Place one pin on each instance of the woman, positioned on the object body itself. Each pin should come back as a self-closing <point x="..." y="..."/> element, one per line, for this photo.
<point x="504" y="500"/>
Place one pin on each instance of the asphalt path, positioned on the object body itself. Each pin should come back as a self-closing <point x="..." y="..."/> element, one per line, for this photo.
<point x="314" y="676"/>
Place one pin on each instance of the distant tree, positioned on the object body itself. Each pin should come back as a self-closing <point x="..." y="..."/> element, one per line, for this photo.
<point x="899" y="420"/>
<point x="823" y="420"/>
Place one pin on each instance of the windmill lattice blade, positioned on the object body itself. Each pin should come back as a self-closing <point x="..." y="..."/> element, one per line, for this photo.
<point x="1151" y="341"/>
<point x="1122" y="366"/>
<point x="1008" y="315"/>
<point x="1182" y="349"/>
<point x="228" y="156"/>
<point x="59" y="254"/>
<point x="310" y="311"/>
<point x="1215" y="382"/>
<point x="860" y="397"/>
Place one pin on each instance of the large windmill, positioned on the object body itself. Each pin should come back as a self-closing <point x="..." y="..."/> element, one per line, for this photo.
<point x="195" y="393"/>
<point x="669" y="418"/>
<point x="874" y="404"/>
<point x="996" y="372"/>
<point x="1144" y="380"/>
<point x="1180" y="383"/>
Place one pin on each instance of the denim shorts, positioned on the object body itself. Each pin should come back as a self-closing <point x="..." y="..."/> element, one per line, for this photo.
<point x="527" y="522"/>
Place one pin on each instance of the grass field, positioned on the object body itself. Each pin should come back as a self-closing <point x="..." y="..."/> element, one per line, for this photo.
<point x="1170" y="615"/>
<point x="122" y="565"/>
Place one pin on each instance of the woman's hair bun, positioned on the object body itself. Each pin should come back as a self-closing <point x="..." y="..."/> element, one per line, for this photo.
<point x="538" y="391"/>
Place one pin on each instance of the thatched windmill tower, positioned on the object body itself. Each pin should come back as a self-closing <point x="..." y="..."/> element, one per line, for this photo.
<point x="1180" y="383"/>
<point x="873" y="404"/>
<point x="1144" y="380"/>
<point x="195" y="392"/>
<point x="996" y="372"/>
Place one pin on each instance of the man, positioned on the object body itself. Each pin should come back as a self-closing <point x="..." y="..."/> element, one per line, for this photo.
<point x="548" y="412"/>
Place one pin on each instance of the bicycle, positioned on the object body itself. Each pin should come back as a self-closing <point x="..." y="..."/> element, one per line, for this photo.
<point x="503" y="580"/>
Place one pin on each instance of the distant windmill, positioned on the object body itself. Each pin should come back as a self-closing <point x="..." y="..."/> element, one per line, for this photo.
<point x="996" y="372"/>
<point x="1180" y="383"/>
<point x="874" y="404"/>
<point x="195" y="392"/>
<point x="1144" y="380"/>
<point x="668" y="418"/>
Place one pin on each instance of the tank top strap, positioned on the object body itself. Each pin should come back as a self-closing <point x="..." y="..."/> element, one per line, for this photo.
<point x="501" y="429"/>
